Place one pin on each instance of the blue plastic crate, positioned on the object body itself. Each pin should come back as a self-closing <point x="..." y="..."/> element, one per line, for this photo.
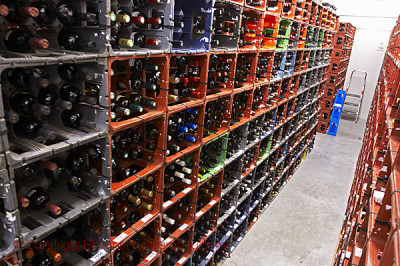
<point x="288" y="70"/>
<point x="340" y="97"/>
<point x="333" y="126"/>
<point x="186" y="11"/>
<point x="336" y="112"/>
<point x="281" y="72"/>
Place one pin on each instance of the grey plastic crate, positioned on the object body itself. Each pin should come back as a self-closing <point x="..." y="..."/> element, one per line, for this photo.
<point x="9" y="232"/>
<point x="1" y="102"/>
<point x="72" y="257"/>
<point x="250" y="177"/>
<point x="233" y="191"/>
<point x="93" y="71"/>
<point x="51" y="32"/>
<point x="163" y="35"/>
<point x="89" y="73"/>
<point x="242" y="131"/>
<point x="235" y="167"/>
<point x="7" y="191"/>
<point x="3" y="161"/>
<point x="231" y="12"/>
<point x="3" y="136"/>
<point x="36" y="223"/>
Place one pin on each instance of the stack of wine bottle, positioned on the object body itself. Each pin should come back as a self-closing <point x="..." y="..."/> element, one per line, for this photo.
<point x="343" y="45"/>
<point x="151" y="132"/>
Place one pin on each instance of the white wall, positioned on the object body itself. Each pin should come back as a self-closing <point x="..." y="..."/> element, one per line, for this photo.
<point x="365" y="55"/>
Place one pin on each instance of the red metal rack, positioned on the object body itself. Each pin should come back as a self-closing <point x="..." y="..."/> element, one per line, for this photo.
<point x="370" y="232"/>
<point x="337" y="70"/>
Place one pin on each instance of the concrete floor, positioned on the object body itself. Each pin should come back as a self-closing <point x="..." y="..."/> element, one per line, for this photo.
<point x="302" y="224"/>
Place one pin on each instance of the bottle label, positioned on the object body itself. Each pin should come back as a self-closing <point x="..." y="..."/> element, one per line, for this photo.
<point x="183" y="227"/>
<point x="151" y="256"/>
<point x="119" y="238"/>
<point x="146" y="218"/>
<point x="167" y="204"/>
<point x="200" y="213"/>
<point x="186" y="190"/>
<point x="100" y="254"/>
<point x="167" y="241"/>
<point x="125" y="43"/>
<point x="182" y="260"/>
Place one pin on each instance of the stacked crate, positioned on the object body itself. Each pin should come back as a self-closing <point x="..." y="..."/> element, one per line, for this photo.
<point x="152" y="132"/>
<point x="370" y="232"/>
<point x="340" y="58"/>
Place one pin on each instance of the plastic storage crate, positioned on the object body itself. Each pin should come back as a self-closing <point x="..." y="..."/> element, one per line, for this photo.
<point x="68" y="201"/>
<point x="145" y="30"/>
<point x="206" y="171"/>
<point x="83" y="77"/>
<point x="129" y="75"/>
<point x="58" y="37"/>
<point x="196" y="33"/>
<point x="226" y="26"/>
<point x="136" y="152"/>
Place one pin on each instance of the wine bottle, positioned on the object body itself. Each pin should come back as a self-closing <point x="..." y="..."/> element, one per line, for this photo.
<point x="27" y="77"/>
<point x="46" y="12"/>
<point x="4" y="10"/>
<point x="25" y="103"/>
<point x="136" y="100"/>
<point x="69" y="16"/>
<point x="73" y="119"/>
<point x="140" y="40"/>
<point x="48" y="97"/>
<point x="138" y="18"/>
<point x="121" y="41"/>
<point x="76" y="163"/>
<point x="17" y="12"/>
<point x="74" y="95"/>
<point x="122" y="17"/>
<point x="18" y="39"/>
<point x="74" y="41"/>
<point x="157" y="20"/>
<point x="39" y="198"/>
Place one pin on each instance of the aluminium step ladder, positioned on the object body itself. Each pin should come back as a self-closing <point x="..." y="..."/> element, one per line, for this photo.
<point x="354" y="100"/>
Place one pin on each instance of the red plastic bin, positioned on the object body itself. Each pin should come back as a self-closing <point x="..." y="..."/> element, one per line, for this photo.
<point x="242" y="98"/>
<point x="191" y="79"/>
<point x="147" y="241"/>
<point x="251" y="40"/>
<point x="121" y="70"/>
<point x="245" y="70"/>
<point x="181" y="189"/>
<point x="152" y="152"/>
<point x="218" y="72"/>
<point x="183" y="217"/>
<point x="122" y="210"/>
<point x="289" y="9"/>
<point x="216" y="124"/>
<point x="185" y="146"/>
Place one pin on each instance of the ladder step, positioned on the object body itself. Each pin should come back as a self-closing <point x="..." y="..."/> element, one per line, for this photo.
<point x="351" y="104"/>
<point x="349" y="112"/>
<point x="353" y="95"/>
